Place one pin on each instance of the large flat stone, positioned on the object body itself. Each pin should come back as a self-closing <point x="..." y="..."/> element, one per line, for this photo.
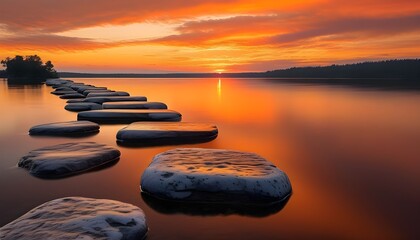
<point x="57" y="81"/>
<point x="87" y="87"/>
<point x="67" y="159"/>
<point x="128" y="116"/>
<point x="63" y="92"/>
<point x="215" y="175"/>
<point x="101" y="100"/>
<point x="106" y="94"/>
<point x="134" y="105"/>
<point x="86" y="92"/>
<point x="82" y="106"/>
<point x="79" y="218"/>
<point x="77" y="100"/>
<point x="163" y="132"/>
<point x="72" y="96"/>
<point x="65" y="128"/>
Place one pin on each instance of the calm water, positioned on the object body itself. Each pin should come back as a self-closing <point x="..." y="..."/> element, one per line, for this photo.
<point x="352" y="155"/>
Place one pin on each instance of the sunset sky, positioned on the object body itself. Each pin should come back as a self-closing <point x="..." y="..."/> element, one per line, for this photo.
<point x="207" y="36"/>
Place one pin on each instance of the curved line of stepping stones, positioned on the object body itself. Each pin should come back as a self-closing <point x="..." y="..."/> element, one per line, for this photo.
<point x="78" y="93"/>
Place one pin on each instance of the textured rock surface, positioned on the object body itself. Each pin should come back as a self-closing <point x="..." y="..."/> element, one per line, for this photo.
<point x="86" y="92"/>
<point x="65" y="128"/>
<point x="67" y="159"/>
<point x="79" y="100"/>
<point x="79" y="218"/>
<point x="145" y="131"/>
<point x="101" y="100"/>
<point x="128" y="116"/>
<point x="106" y="94"/>
<point x="63" y="92"/>
<point x="89" y="87"/>
<point x="134" y="105"/>
<point x="57" y="81"/>
<point x="72" y="96"/>
<point x="214" y="175"/>
<point x="82" y="106"/>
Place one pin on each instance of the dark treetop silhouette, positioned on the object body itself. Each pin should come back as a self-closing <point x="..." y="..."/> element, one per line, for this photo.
<point x="29" y="68"/>
<point x="404" y="68"/>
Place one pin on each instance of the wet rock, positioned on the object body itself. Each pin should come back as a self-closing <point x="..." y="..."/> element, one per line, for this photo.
<point x="64" y="89"/>
<point x="57" y="81"/>
<point x="67" y="159"/>
<point x="134" y="105"/>
<point x="89" y="87"/>
<point x="164" y="132"/>
<point x="82" y="106"/>
<point x="77" y="100"/>
<point x="79" y="218"/>
<point x="128" y="116"/>
<point x="72" y="96"/>
<point x="86" y="92"/>
<point x="63" y="92"/>
<point x="215" y="175"/>
<point x="106" y="94"/>
<point x="101" y="100"/>
<point x="65" y="128"/>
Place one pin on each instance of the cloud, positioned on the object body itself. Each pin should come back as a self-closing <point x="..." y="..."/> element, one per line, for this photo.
<point x="51" y="42"/>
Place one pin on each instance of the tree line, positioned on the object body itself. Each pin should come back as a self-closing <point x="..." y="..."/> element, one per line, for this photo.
<point x="27" y="68"/>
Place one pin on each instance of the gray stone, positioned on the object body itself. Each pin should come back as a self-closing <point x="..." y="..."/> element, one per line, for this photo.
<point x="134" y="105"/>
<point x="129" y="115"/>
<point x="67" y="159"/>
<point x="144" y="132"/>
<point x="57" y="81"/>
<point x="63" y="92"/>
<point x="82" y="106"/>
<point x="91" y="87"/>
<point x="215" y="175"/>
<point x="77" y="100"/>
<point x="106" y="94"/>
<point x="101" y="100"/>
<point x="86" y="92"/>
<point x="79" y="218"/>
<point x="64" y="89"/>
<point x="65" y="128"/>
<point x="72" y="96"/>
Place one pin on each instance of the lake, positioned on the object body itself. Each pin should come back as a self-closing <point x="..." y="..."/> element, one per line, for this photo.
<point x="352" y="156"/>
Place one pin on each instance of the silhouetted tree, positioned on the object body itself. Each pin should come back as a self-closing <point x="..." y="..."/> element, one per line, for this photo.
<point x="405" y="68"/>
<point x="28" y="68"/>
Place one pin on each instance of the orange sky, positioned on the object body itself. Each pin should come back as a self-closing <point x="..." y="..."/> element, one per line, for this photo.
<point x="207" y="36"/>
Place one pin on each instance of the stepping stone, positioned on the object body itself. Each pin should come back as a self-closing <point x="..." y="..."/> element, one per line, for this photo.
<point x="101" y="100"/>
<point x="68" y="159"/>
<point x="72" y="96"/>
<point x="65" y="128"/>
<point x="79" y="218"/>
<point x="86" y="87"/>
<point x="215" y="175"/>
<point x="164" y="132"/>
<point x="63" y="92"/>
<point x="77" y="100"/>
<point x="134" y="105"/>
<point x="64" y="89"/>
<point x="82" y="106"/>
<point x="86" y="92"/>
<point x="106" y="94"/>
<point x="56" y="81"/>
<point x="129" y="115"/>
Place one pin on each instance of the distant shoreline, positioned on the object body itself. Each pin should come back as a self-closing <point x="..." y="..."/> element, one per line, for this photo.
<point x="390" y="69"/>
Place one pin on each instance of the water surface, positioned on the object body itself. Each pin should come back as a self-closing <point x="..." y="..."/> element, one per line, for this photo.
<point x="352" y="156"/>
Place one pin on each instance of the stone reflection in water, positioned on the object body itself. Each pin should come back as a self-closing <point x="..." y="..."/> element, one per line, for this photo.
<point x="212" y="209"/>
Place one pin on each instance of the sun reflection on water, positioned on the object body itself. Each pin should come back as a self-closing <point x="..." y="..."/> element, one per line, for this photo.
<point x="219" y="89"/>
